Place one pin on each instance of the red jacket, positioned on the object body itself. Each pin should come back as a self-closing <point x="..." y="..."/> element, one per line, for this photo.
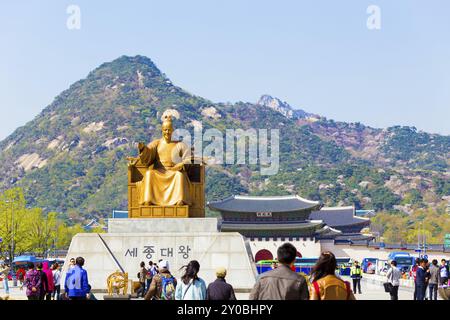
<point x="21" y="274"/>
<point x="414" y="271"/>
<point x="49" y="273"/>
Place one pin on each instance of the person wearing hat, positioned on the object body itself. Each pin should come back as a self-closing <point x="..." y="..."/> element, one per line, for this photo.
<point x="220" y="289"/>
<point x="163" y="284"/>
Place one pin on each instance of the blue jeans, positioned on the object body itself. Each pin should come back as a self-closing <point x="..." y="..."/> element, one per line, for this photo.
<point x="6" y="285"/>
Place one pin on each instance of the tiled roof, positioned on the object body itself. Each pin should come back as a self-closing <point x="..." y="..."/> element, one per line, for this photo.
<point x="307" y="225"/>
<point x="338" y="216"/>
<point x="264" y="204"/>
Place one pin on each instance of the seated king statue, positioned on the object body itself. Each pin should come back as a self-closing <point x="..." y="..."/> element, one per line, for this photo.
<point x="165" y="182"/>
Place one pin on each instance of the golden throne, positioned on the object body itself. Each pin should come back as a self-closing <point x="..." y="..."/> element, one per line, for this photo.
<point x="196" y="174"/>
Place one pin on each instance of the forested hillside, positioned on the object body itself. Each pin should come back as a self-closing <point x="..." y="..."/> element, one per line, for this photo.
<point x="71" y="158"/>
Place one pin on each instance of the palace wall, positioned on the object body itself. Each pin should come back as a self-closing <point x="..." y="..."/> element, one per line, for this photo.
<point x="307" y="247"/>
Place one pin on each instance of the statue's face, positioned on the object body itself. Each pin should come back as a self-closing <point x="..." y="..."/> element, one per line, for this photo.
<point x="167" y="131"/>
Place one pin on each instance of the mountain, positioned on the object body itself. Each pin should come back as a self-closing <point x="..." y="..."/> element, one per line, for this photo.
<point x="71" y="157"/>
<point x="284" y="108"/>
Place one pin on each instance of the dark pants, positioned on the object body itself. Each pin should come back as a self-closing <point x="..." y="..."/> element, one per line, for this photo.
<point x="432" y="289"/>
<point x="415" y="291"/>
<point x="77" y="298"/>
<point x="57" y="292"/>
<point x="149" y="281"/>
<point x="420" y="292"/>
<point x="33" y="297"/>
<point x="394" y="293"/>
<point x="141" y="290"/>
<point x="356" y="285"/>
<point x="48" y="296"/>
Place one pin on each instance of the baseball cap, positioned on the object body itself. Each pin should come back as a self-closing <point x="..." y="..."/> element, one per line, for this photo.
<point x="164" y="264"/>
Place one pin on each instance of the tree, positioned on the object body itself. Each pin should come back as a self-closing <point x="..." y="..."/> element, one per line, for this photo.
<point x="12" y="222"/>
<point x="41" y="230"/>
<point x="25" y="229"/>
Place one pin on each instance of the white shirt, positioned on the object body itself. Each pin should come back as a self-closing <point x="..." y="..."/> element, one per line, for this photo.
<point x="57" y="277"/>
<point x="393" y="276"/>
<point x="444" y="273"/>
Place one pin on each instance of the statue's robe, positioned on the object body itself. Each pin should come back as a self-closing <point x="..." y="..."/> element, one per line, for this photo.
<point x="160" y="185"/>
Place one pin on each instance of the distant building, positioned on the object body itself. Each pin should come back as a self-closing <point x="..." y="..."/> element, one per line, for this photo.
<point x="365" y="213"/>
<point x="94" y="224"/>
<point x="119" y="214"/>
<point x="271" y="217"/>
<point x="345" y="220"/>
<point x="267" y="222"/>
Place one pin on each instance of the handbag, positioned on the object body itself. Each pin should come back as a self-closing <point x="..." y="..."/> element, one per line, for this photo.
<point x="388" y="287"/>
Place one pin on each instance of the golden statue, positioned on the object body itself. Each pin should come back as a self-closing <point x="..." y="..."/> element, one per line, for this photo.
<point x="116" y="282"/>
<point x="165" y="182"/>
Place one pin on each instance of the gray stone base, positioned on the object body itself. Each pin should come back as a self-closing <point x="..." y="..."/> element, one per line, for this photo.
<point x="110" y="252"/>
<point x="166" y="225"/>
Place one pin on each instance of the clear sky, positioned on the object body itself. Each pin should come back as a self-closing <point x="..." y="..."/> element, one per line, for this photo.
<point x="316" y="55"/>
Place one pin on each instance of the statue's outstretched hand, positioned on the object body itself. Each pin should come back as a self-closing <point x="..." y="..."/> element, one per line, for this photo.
<point x="132" y="161"/>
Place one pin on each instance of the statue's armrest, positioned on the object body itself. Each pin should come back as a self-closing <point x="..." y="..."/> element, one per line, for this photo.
<point x="136" y="172"/>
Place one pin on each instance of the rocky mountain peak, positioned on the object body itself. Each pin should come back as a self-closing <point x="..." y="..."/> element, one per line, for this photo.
<point x="282" y="107"/>
<point x="277" y="105"/>
<point x="138" y="70"/>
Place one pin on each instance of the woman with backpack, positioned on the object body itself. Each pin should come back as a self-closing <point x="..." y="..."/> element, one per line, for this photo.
<point x="325" y="284"/>
<point x="191" y="287"/>
<point x="163" y="284"/>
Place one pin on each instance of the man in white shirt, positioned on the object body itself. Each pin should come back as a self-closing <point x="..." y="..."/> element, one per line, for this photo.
<point x="393" y="276"/>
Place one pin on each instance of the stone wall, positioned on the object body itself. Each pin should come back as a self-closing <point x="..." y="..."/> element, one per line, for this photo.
<point x="307" y="247"/>
<point x="211" y="249"/>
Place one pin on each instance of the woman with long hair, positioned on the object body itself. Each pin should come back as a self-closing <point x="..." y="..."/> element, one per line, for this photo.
<point x="325" y="284"/>
<point x="191" y="287"/>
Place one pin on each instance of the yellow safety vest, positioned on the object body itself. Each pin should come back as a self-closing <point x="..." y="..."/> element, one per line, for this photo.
<point x="356" y="271"/>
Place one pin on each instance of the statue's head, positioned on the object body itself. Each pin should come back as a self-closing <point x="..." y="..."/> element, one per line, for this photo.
<point x="167" y="128"/>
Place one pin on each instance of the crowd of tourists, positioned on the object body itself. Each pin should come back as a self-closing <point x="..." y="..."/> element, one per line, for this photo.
<point x="429" y="276"/>
<point x="156" y="282"/>
<point x="162" y="285"/>
<point x="281" y="283"/>
<point x="43" y="283"/>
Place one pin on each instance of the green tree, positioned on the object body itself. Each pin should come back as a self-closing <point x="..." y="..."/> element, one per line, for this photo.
<point x="13" y="229"/>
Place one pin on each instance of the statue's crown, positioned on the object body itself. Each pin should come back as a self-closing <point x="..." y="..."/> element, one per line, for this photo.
<point x="168" y="118"/>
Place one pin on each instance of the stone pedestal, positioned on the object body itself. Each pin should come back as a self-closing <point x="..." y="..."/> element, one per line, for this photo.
<point x="130" y="241"/>
<point x="166" y="225"/>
